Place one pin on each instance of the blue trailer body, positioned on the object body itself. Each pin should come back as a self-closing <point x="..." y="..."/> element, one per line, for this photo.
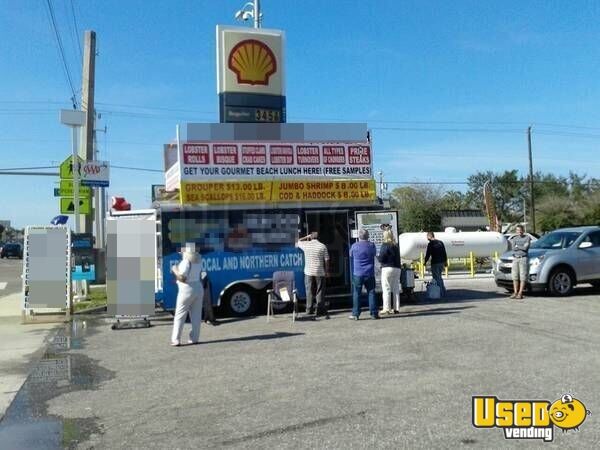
<point x="242" y="247"/>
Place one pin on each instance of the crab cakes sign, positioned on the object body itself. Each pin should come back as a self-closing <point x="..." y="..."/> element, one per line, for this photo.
<point x="250" y="74"/>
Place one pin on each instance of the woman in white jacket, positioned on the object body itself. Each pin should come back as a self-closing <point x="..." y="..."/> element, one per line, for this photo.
<point x="389" y="258"/>
<point x="189" y="295"/>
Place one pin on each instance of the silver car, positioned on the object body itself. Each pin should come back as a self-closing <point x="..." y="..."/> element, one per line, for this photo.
<point x="558" y="261"/>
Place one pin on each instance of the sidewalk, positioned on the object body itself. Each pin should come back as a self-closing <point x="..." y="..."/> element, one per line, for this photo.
<point x="21" y="346"/>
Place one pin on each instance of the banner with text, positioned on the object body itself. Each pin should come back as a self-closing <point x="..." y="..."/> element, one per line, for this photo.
<point x="250" y="160"/>
<point x="253" y="191"/>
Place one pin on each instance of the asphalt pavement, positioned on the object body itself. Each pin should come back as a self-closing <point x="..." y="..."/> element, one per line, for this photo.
<point x="21" y="346"/>
<point x="405" y="381"/>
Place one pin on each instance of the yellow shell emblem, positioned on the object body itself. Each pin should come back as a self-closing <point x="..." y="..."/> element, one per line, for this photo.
<point x="252" y="62"/>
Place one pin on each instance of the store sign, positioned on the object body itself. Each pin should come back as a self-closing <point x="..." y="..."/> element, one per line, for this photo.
<point x="66" y="189"/>
<point x="95" y="173"/>
<point x="250" y="60"/>
<point x="280" y="191"/>
<point x="204" y="161"/>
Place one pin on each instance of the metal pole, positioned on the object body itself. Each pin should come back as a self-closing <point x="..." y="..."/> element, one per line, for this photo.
<point x="75" y="179"/>
<point x="532" y="213"/>
<point x="256" y="13"/>
<point x="76" y="196"/>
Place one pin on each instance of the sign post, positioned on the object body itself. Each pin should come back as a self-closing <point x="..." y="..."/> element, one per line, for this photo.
<point x="74" y="119"/>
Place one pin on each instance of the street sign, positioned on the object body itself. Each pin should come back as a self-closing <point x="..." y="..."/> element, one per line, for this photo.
<point x="66" y="189"/>
<point x="68" y="207"/>
<point x="66" y="168"/>
<point x="95" y="173"/>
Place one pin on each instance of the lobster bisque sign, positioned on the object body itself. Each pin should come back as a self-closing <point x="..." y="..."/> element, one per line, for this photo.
<point x="250" y="60"/>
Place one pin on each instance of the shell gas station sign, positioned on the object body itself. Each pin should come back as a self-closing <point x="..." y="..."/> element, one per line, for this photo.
<point x="250" y="74"/>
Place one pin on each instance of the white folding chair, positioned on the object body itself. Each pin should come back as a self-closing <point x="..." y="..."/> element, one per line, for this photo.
<point x="283" y="292"/>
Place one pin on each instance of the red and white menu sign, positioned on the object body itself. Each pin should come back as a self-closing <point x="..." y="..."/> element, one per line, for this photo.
<point x="203" y="161"/>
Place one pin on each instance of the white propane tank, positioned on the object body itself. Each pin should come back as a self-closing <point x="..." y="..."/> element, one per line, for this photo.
<point x="458" y="245"/>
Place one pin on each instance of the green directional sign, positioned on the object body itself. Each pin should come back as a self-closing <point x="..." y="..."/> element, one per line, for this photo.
<point x="66" y="189"/>
<point x="66" y="168"/>
<point x="68" y="207"/>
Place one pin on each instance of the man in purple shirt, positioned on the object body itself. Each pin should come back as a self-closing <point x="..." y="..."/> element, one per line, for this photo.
<point x="363" y="255"/>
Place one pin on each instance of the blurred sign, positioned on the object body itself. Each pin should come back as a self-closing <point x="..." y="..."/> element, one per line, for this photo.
<point x="83" y="263"/>
<point x="160" y="194"/>
<point x="67" y="205"/>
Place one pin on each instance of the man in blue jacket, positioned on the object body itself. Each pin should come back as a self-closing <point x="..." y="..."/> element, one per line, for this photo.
<point x="363" y="255"/>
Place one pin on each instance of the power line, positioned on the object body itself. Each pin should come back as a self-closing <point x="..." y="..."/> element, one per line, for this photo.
<point x="62" y="53"/>
<point x="157" y="108"/>
<point x="140" y="169"/>
<point x="76" y="30"/>
<point x="29" y="168"/>
<point x="451" y="130"/>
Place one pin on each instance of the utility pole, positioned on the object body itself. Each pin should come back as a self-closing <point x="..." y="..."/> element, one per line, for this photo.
<point x="88" y="82"/>
<point x="532" y="212"/>
<point x="256" y="11"/>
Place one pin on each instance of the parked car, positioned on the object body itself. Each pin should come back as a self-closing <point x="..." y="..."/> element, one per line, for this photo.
<point x="14" y="250"/>
<point x="558" y="261"/>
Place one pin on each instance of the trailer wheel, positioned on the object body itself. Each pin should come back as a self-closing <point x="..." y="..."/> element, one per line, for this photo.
<point x="240" y="300"/>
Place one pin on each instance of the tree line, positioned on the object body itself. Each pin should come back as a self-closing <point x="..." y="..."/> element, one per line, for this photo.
<point x="560" y="201"/>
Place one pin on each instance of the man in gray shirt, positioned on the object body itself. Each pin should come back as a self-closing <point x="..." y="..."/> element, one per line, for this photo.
<point x="520" y="267"/>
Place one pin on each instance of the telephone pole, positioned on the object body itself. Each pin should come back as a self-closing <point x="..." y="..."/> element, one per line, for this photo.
<point x="88" y="82"/>
<point x="532" y="198"/>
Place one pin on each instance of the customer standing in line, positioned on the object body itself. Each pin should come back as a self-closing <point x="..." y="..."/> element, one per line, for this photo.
<point x="316" y="266"/>
<point x="520" y="266"/>
<point x="439" y="259"/>
<point x="363" y="255"/>
<point x="190" y="295"/>
<point x="389" y="258"/>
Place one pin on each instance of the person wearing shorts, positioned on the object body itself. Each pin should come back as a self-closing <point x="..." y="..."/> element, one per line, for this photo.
<point x="520" y="267"/>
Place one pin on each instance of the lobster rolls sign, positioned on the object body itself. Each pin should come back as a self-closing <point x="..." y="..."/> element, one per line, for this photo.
<point x="220" y="161"/>
<point x="250" y="61"/>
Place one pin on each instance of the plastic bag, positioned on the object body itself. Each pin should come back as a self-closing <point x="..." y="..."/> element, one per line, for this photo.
<point x="433" y="290"/>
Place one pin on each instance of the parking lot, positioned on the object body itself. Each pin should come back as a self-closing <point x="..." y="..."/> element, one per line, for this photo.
<point x="401" y="382"/>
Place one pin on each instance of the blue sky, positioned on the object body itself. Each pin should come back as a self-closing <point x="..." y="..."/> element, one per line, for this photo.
<point x="448" y="88"/>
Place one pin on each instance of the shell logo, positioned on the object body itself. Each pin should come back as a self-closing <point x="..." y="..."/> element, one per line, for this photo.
<point x="253" y="62"/>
